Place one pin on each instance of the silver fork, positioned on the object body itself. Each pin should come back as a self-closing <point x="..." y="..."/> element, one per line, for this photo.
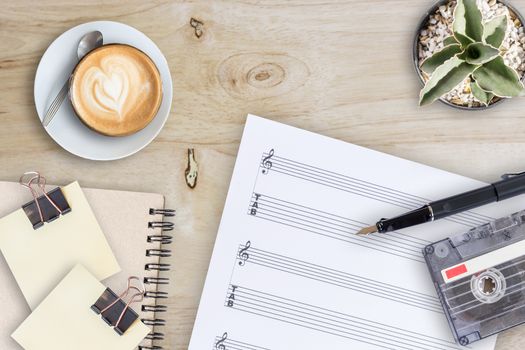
<point x="55" y="105"/>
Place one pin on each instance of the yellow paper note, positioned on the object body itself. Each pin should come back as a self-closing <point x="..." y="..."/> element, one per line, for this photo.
<point x="40" y="258"/>
<point x="65" y="321"/>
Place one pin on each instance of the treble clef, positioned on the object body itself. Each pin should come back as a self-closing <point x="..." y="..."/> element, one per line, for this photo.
<point x="219" y="345"/>
<point x="243" y="255"/>
<point x="267" y="163"/>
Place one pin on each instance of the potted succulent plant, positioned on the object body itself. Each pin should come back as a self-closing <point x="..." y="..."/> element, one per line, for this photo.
<point x="470" y="54"/>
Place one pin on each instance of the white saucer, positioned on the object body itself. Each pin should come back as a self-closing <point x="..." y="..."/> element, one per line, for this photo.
<point x="66" y="129"/>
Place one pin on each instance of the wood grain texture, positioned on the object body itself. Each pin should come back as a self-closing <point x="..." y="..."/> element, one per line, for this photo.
<point x="339" y="68"/>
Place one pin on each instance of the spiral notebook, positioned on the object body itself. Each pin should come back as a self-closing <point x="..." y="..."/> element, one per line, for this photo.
<point x="137" y="230"/>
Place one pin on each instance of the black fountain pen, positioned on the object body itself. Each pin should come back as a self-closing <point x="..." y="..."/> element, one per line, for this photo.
<point x="511" y="185"/>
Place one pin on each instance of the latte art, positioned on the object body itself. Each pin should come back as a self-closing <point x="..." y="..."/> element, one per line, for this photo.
<point x="107" y="92"/>
<point x="116" y="90"/>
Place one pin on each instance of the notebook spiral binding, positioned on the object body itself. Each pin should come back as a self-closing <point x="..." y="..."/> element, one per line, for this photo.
<point x="162" y="252"/>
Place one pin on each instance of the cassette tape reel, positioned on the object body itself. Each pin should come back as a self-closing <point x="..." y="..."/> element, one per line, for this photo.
<point x="480" y="278"/>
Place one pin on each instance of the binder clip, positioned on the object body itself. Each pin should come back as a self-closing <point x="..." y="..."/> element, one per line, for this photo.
<point x="114" y="311"/>
<point x="46" y="208"/>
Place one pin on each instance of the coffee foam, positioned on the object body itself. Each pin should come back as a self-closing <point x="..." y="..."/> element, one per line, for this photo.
<point x="116" y="90"/>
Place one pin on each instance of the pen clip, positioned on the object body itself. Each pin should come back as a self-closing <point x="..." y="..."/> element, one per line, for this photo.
<point x="508" y="176"/>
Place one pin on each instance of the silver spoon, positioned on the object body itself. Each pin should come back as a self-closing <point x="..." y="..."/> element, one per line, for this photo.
<point x="87" y="43"/>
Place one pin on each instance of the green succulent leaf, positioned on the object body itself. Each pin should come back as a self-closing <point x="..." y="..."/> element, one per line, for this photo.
<point x="479" y="53"/>
<point x="438" y="58"/>
<point x="450" y="41"/>
<point x="484" y="96"/>
<point x="497" y="77"/>
<point x="468" y="20"/>
<point x="463" y="40"/>
<point x="444" y="79"/>
<point x="494" y="31"/>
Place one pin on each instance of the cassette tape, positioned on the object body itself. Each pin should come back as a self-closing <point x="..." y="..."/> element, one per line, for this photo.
<point x="480" y="278"/>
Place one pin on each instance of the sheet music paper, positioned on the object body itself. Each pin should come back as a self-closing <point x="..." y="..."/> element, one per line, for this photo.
<point x="287" y="271"/>
<point x="40" y="258"/>
<point x="65" y="321"/>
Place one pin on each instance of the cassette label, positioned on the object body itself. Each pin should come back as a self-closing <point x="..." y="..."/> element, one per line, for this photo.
<point x="454" y="272"/>
<point x="483" y="262"/>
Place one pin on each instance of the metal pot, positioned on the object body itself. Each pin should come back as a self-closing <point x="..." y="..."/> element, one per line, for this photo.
<point x="415" y="51"/>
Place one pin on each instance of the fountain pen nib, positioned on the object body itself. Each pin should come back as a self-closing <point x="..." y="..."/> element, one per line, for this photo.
<point x="367" y="230"/>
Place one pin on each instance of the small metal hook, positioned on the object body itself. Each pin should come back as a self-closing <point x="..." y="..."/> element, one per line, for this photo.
<point x="28" y="184"/>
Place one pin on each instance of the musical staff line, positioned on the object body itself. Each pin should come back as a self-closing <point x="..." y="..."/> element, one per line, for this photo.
<point x="343" y="221"/>
<point x="223" y="342"/>
<point x="330" y="322"/>
<point x="333" y="226"/>
<point x="338" y="278"/>
<point x="364" y="188"/>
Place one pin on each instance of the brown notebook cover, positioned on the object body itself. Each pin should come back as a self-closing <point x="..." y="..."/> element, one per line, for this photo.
<point x="130" y="228"/>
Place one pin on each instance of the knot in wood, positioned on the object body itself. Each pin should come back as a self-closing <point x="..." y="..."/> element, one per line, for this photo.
<point x="253" y="76"/>
<point x="265" y="75"/>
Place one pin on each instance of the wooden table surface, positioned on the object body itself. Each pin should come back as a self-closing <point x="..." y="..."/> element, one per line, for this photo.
<point x="337" y="67"/>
